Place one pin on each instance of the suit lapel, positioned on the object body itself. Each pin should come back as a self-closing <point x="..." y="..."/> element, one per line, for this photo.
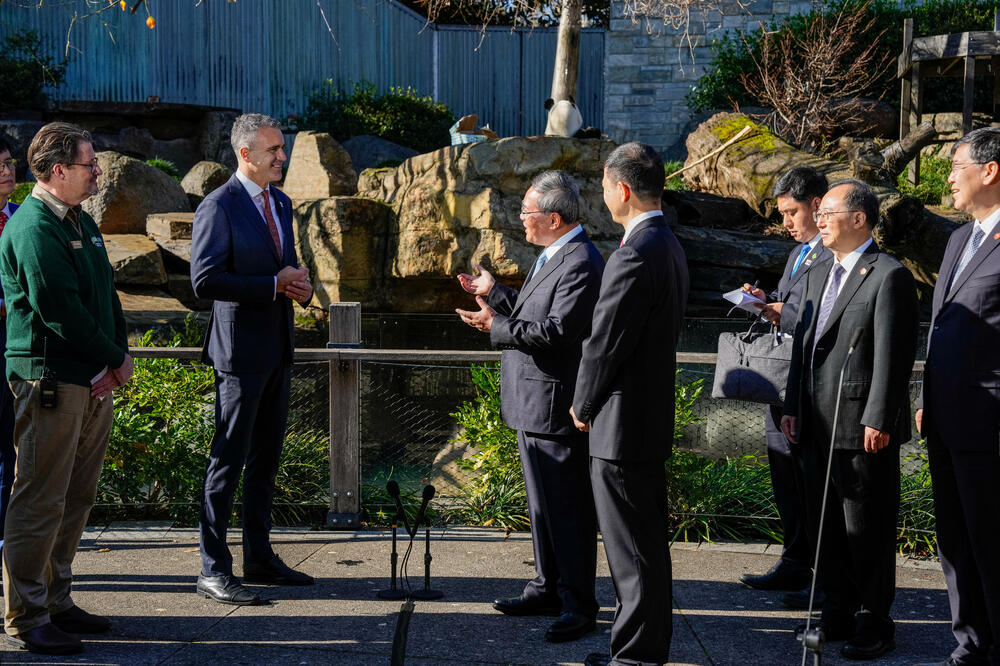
<point x="989" y="245"/>
<point x="815" y="257"/>
<point x="862" y="269"/>
<point x="547" y="269"/>
<point x="251" y="216"/>
<point x="656" y="220"/>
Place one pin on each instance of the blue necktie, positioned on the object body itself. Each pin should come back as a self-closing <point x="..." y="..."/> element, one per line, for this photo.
<point x="542" y="258"/>
<point x="802" y="255"/>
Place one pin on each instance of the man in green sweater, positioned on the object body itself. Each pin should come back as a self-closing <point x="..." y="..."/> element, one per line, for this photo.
<point x="66" y="351"/>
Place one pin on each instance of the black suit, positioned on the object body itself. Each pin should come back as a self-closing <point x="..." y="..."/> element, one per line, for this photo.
<point x="785" y="464"/>
<point x="625" y="391"/>
<point x="857" y="554"/>
<point x="249" y="342"/>
<point x="540" y="330"/>
<point x="961" y="401"/>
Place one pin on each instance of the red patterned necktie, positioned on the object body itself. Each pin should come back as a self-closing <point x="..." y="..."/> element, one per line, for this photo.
<point x="3" y="220"/>
<point x="271" y="226"/>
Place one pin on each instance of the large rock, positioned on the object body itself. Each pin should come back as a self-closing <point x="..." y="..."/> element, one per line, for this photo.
<point x="459" y="206"/>
<point x="319" y="168"/>
<point x="213" y="137"/>
<point x="129" y="191"/>
<point x="135" y="259"/>
<point x="19" y="133"/>
<point x="169" y="226"/>
<point x="203" y="178"/>
<point x="344" y="243"/>
<point x="184" y="152"/>
<point x="132" y="141"/>
<point x="368" y="151"/>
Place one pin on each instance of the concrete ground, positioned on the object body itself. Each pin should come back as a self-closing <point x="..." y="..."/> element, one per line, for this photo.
<point x="143" y="577"/>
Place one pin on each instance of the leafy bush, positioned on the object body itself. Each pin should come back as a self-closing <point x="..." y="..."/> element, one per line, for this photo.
<point x="166" y="166"/>
<point x="25" y="72"/>
<point x="400" y="115"/>
<point x="934" y="172"/>
<point x="21" y="192"/>
<point x="735" y="54"/>
<point x="916" y="510"/>
<point x="677" y="182"/>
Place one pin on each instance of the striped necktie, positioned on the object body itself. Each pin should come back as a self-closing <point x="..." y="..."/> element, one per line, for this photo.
<point x="829" y="298"/>
<point x="970" y="251"/>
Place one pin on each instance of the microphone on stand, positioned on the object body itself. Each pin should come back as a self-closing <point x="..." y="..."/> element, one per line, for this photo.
<point x="427" y="593"/>
<point x="428" y="495"/>
<point x="393" y="592"/>
<point x="393" y="489"/>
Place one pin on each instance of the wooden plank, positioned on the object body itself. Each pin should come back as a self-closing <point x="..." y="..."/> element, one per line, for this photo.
<point x="916" y="107"/>
<point x="956" y="45"/>
<point x="345" y="421"/>
<point x="904" y="57"/>
<point x="968" y="91"/>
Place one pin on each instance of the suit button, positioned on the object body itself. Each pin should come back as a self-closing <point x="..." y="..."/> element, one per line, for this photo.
<point x="936" y="327"/>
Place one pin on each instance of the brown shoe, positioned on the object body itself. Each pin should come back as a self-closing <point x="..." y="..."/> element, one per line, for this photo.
<point x="75" y="620"/>
<point x="46" y="639"/>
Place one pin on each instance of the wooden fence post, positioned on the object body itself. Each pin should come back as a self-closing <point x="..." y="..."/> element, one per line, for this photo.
<point x="345" y="413"/>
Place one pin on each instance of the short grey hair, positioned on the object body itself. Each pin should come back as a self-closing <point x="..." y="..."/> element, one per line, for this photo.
<point x="860" y="198"/>
<point x="983" y="143"/>
<point x="558" y="193"/>
<point x="244" y="132"/>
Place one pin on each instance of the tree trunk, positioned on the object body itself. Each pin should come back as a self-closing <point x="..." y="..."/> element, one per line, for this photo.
<point x="567" y="64"/>
<point x="896" y="156"/>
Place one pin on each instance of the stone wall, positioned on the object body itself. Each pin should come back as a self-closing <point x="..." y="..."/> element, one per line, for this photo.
<point x="647" y="74"/>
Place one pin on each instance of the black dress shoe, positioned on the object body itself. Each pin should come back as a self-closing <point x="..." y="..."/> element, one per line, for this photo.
<point x="226" y="590"/>
<point x="569" y="627"/>
<point x="831" y="632"/>
<point x="274" y="572"/>
<point x="782" y="576"/>
<point x="597" y="659"/>
<point x="75" y="620"/>
<point x="800" y="600"/>
<point x="46" y="639"/>
<point x="860" y="649"/>
<point x="522" y="606"/>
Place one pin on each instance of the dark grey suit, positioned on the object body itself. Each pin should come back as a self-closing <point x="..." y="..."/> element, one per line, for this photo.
<point x="857" y="555"/>
<point x="625" y="391"/>
<point x="249" y="343"/>
<point x="961" y="401"/>
<point x="785" y="464"/>
<point x="540" y="330"/>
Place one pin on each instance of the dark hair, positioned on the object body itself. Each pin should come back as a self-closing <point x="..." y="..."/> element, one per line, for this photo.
<point x="984" y="144"/>
<point x="4" y="146"/>
<point x="558" y="193"/>
<point x="56" y="143"/>
<point x="639" y="166"/>
<point x="860" y="198"/>
<point x="802" y="184"/>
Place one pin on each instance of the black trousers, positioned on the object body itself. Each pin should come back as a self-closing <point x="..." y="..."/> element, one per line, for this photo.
<point x="251" y="411"/>
<point x="967" y="511"/>
<point x="788" y="481"/>
<point x="631" y="500"/>
<point x="857" y="561"/>
<point x="563" y="522"/>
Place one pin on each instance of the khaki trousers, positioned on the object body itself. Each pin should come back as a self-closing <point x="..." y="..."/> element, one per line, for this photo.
<point x="60" y="451"/>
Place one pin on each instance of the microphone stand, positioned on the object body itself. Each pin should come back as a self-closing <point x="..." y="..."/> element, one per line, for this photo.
<point x="813" y="638"/>
<point x="393" y="592"/>
<point x="426" y="594"/>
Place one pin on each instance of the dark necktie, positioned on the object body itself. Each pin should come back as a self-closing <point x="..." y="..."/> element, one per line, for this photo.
<point x="829" y="298"/>
<point x="271" y="226"/>
<point x="970" y="251"/>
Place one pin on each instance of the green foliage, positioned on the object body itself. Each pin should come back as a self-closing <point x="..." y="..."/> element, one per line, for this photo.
<point x="934" y="172"/>
<point x="400" y="115"/>
<point x="916" y="510"/>
<point x="166" y="166"/>
<point x="21" y="192"/>
<point x="734" y="54"/>
<point x="677" y="182"/>
<point x="25" y="73"/>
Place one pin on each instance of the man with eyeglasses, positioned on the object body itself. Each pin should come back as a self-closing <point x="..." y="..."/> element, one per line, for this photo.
<point x="540" y="330"/>
<point x="959" y="408"/>
<point x="66" y="351"/>
<point x="798" y="194"/>
<point x="861" y="315"/>
<point x="8" y="455"/>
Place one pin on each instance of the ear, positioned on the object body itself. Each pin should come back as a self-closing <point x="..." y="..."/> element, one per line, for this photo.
<point x="815" y="203"/>
<point x="624" y="191"/>
<point x="992" y="173"/>
<point x="245" y="154"/>
<point x="549" y="103"/>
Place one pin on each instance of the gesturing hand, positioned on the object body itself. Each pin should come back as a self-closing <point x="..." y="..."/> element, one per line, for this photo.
<point x="479" y="285"/>
<point x="481" y="320"/>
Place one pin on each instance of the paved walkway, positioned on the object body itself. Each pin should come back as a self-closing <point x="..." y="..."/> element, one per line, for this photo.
<point x="143" y="576"/>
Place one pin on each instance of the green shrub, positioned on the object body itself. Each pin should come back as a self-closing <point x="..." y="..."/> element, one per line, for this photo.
<point x="933" y="182"/>
<point x="677" y="182"/>
<point x="400" y="115"/>
<point x="734" y="54"/>
<point x="21" y="192"/>
<point x="166" y="166"/>
<point x="916" y="510"/>
<point x="25" y="73"/>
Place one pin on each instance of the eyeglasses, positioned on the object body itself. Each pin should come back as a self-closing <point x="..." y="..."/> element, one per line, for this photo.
<point x="958" y="166"/>
<point x="824" y="215"/>
<point x="8" y="165"/>
<point x="90" y="165"/>
<point x="532" y="212"/>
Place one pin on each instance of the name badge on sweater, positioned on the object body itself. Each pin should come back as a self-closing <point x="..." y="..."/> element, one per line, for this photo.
<point x="76" y="245"/>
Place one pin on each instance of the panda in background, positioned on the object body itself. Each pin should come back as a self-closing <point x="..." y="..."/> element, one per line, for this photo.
<point x="565" y="120"/>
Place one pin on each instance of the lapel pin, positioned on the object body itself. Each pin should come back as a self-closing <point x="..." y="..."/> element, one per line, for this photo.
<point x="808" y="262"/>
<point x="863" y="271"/>
<point x="813" y="256"/>
<point x="996" y="236"/>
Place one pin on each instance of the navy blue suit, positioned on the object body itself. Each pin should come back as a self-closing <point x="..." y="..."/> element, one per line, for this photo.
<point x="8" y="455"/>
<point x="249" y="342"/>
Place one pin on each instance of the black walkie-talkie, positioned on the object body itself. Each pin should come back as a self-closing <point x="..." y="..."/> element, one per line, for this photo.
<point x="47" y="385"/>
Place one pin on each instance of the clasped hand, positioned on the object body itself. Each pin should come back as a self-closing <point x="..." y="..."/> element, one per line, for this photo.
<point x="294" y="283"/>
<point x="112" y="379"/>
